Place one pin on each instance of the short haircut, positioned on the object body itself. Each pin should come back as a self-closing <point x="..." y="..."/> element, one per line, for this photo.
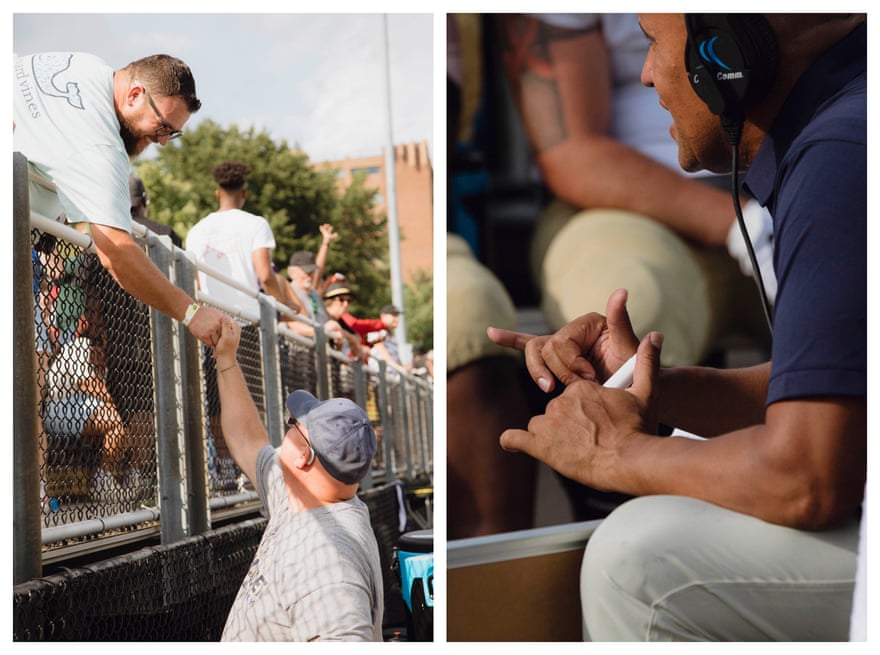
<point x="166" y="77"/>
<point x="231" y="175"/>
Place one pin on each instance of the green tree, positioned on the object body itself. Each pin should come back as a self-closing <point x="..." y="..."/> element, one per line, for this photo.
<point x="284" y="188"/>
<point x="418" y="297"/>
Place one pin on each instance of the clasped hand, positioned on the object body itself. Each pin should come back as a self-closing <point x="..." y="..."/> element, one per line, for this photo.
<point x="585" y="431"/>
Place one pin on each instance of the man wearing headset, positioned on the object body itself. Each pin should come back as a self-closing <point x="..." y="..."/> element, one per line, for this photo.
<point x="752" y="532"/>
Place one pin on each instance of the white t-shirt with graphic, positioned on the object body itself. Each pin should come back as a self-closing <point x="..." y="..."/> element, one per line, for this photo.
<point x="225" y="241"/>
<point x="66" y="126"/>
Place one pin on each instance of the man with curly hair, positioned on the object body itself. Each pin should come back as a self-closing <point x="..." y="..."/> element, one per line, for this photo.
<point x="236" y="243"/>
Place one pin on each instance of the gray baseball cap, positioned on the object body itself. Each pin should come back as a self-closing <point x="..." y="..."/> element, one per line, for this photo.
<point x="340" y="433"/>
<point x="304" y="260"/>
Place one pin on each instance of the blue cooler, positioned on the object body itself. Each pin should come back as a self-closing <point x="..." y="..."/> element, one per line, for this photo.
<point x="415" y="563"/>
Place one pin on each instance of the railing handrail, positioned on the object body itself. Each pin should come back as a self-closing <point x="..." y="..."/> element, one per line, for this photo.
<point x="177" y="369"/>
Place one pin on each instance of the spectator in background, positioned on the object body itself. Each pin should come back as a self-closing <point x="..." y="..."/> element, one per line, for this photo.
<point x="337" y="298"/>
<point x="139" y="204"/>
<point x="239" y="245"/>
<point x="235" y="243"/>
<point x="385" y="346"/>
<point x="595" y="130"/>
<point x="302" y="270"/>
<point x="370" y="328"/>
<point x="78" y="409"/>
<point x="79" y="123"/>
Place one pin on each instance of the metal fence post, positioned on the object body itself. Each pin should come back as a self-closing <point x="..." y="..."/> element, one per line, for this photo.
<point x="322" y="365"/>
<point x="407" y="428"/>
<point x="387" y="428"/>
<point x="360" y="398"/>
<point x="418" y="420"/>
<point x="26" y="538"/>
<point x="272" y="390"/>
<point x="193" y="416"/>
<point x="429" y="426"/>
<point x="169" y="408"/>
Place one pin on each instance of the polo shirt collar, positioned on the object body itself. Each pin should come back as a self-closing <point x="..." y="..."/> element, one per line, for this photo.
<point x="825" y="77"/>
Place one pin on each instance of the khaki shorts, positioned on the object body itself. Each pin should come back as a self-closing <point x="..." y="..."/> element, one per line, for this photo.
<point x="692" y="295"/>
<point x="475" y="301"/>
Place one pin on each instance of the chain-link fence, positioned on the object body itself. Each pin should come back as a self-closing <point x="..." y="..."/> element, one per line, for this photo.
<point x="179" y="592"/>
<point x="118" y="438"/>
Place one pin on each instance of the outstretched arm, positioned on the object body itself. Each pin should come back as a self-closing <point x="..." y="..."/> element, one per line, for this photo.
<point x="242" y="428"/>
<point x="328" y="235"/>
<point x="132" y="269"/>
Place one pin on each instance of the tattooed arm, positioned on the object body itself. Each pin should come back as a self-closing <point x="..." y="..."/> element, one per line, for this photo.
<point x="561" y="80"/>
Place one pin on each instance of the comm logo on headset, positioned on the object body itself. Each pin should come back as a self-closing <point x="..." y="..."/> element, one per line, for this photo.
<point x="708" y="54"/>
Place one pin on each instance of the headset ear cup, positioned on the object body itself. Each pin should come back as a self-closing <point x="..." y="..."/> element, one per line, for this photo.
<point x="760" y="53"/>
<point x="731" y="60"/>
<point x="699" y="76"/>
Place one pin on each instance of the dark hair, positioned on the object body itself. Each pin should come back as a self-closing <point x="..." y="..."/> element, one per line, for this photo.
<point x="166" y="77"/>
<point x="231" y="175"/>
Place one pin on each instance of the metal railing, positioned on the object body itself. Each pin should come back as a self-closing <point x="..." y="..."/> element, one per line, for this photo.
<point x="116" y="414"/>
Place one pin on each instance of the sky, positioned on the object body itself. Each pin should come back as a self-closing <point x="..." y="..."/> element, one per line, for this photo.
<point x="317" y="81"/>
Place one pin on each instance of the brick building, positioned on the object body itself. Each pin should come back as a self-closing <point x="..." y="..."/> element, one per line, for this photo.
<point x="414" y="180"/>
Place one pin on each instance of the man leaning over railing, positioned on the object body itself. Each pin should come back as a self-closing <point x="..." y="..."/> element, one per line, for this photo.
<point x="78" y="123"/>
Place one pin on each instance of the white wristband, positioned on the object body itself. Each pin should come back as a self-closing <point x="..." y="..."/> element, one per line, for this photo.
<point x="190" y="312"/>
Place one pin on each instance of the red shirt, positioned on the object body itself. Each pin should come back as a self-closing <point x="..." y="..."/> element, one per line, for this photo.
<point x="363" y="326"/>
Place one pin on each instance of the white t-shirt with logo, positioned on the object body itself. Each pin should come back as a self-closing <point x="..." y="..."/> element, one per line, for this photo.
<point x="66" y="126"/>
<point x="225" y="241"/>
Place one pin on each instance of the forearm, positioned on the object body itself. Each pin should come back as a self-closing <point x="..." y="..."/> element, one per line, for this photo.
<point x="243" y="429"/>
<point x="320" y="263"/>
<point x="804" y="467"/>
<point x="729" y="471"/>
<point x="272" y="287"/>
<point x="709" y="401"/>
<point x="363" y="325"/>
<point x="126" y="261"/>
<point x="600" y="172"/>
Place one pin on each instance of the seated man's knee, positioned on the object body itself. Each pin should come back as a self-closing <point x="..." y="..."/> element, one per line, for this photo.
<point x="629" y="563"/>
<point x="597" y="251"/>
<point x="477" y="300"/>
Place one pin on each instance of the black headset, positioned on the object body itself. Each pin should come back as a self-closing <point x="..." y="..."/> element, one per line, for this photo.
<point x="731" y="61"/>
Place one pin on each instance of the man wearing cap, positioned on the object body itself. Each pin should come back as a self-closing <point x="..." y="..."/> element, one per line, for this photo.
<point x="316" y="574"/>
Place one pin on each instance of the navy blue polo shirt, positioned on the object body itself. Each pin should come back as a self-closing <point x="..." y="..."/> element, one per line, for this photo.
<point x="811" y="173"/>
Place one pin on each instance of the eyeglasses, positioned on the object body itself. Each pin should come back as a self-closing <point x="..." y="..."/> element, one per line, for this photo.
<point x="344" y="299"/>
<point x="166" y="129"/>
<point x="292" y="423"/>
